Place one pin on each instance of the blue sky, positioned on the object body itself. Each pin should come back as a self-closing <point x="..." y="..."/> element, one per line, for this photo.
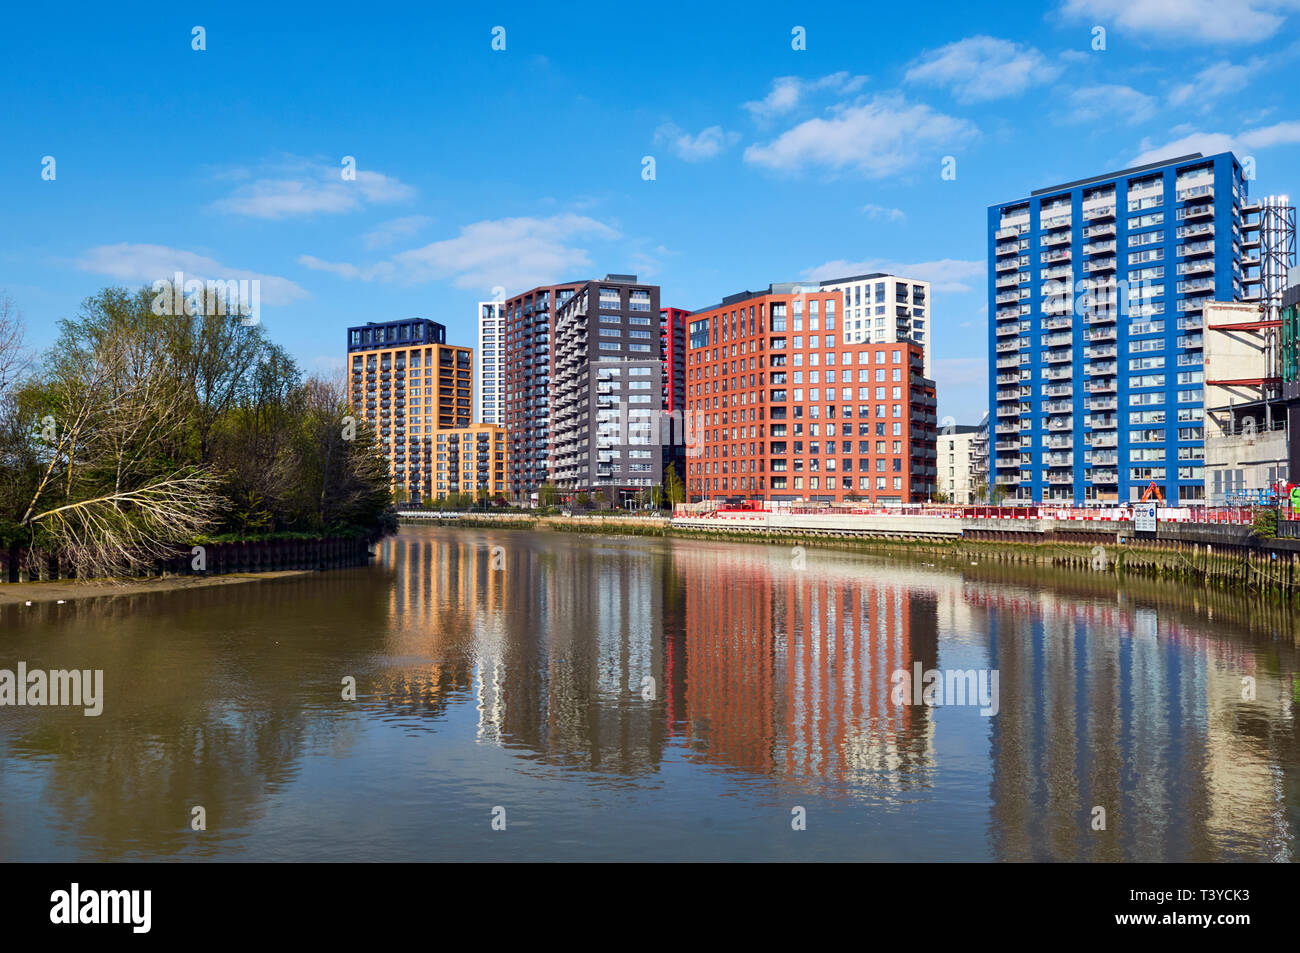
<point x="479" y="168"/>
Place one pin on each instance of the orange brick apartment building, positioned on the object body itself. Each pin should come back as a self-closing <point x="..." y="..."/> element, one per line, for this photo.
<point x="408" y="383"/>
<point x="779" y="407"/>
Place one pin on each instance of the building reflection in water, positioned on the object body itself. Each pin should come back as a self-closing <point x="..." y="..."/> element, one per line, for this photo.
<point x="1125" y="706"/>
<point x="754" y="666"/>
<point x="788" y="670"/>
<point x="598" y="655"/>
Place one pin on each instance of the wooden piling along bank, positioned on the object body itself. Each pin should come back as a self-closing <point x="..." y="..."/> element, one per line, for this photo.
<point x="268" y="555"/>
<point x="1224" y="556"/>
<point x="1217" y="556"/>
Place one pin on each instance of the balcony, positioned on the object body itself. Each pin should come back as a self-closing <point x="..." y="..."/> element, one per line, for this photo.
<point x="1191" y="249"/>
<point x="1007" y="281"/>
<point x="1010" y="264"/>
<point x="1198" y="286"/>
<point x="1193" y="212"/>
<point x="1099" y="264"/>
<point x="1098" y="248"/>
<point x="1103" y="476"/>
<point x="1195" y="192"/>
<point x="1098" y="213"/>
<point x="1100" y="230"/>
<point x="1008" y="231"/>
<point x="1059" y="357"/>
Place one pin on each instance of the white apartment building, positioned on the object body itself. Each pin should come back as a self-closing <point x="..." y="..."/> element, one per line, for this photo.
<point x="490" y="372"/>
<point x="880" y="308"/>
<point x="955" y="470"/>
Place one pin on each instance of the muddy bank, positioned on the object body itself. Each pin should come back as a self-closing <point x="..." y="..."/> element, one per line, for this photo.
<point x="20" y="593"/>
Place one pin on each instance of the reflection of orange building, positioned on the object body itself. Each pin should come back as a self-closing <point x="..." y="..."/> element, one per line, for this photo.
<point x="788" y="671"/>
<point x="434" y="601"/>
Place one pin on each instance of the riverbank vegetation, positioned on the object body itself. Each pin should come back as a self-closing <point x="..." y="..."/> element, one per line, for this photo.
<point x="138" y="432"/>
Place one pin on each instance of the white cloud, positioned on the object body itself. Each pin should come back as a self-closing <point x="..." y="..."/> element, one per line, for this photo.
<point x="876" y="138"/>
<point x="946" y="274"/>
<point x="343" y="269"/>
<point x="1209" y="143"/>
<point x="882" y="211"/>
<point x="301" y="187"/>
<point x="149" y="263"/>
<point x="1210" y="21"/>
<point x="981" y="68"/>
<point x="512" y="252"/>
<point x="708" y="144"/>
<point x="1110" y="101"/>
<point x="1215" y="81"/>
<point x="385" y="233"/>
<point x="788" y="91"/>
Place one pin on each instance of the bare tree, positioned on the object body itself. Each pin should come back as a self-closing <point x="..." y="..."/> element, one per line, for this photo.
<point x="15" y="360"/>
<point x="108" y="498"/>
<point x="126" y="531"/>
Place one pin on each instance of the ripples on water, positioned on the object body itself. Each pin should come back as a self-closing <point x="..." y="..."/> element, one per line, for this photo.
<point x="654" y="699"/>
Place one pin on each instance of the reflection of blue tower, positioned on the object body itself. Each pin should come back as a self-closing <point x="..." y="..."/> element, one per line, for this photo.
<point x="1096" y="711"/>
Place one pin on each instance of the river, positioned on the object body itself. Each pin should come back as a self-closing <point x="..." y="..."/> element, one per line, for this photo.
<point x="553" y="696"/>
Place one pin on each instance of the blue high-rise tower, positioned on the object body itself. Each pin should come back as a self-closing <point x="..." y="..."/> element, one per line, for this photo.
<point x="1096" y="343"/>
